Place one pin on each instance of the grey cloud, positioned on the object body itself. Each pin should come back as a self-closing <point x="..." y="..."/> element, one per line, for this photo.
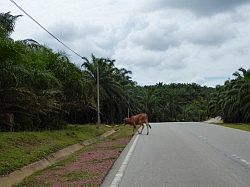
<point x="157" y="38"/>
<point x="201" y="7"/>
<point x="113" y="36"/>
<point x="213" y="31"/>
<point x="70" y="32"/>
<point x="160" y="35"/>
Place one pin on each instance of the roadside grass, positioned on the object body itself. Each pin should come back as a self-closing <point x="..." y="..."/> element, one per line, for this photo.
<point x="122" y="132"/>
<point x="75" y="176"/>
<point x="18" y="149"/>
<point x="241" y="126"/>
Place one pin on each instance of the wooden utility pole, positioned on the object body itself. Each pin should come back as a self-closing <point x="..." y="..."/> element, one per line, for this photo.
<point x="98" y="95"/>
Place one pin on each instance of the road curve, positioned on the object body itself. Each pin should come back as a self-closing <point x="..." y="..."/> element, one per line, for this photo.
<point x="185" y="155"/>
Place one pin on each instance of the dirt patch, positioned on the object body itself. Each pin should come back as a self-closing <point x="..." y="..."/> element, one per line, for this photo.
<point x="217" y="120"/>
<point x="88" y="168"/>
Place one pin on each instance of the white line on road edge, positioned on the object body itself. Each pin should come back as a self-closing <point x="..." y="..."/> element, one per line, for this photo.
<point x="242" y="160"/>
<point x="118" y="177"/>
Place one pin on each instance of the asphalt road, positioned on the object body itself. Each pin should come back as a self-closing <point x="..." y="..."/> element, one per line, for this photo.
<point x="184" y="155"/>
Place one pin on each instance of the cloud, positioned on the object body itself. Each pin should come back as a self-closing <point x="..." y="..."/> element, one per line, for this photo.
<point x="162" y="31"/>
<point x="156" y="37"/>
<point x="205" y="49"/>
<point x="214" y="30"/>
<point x="200" y="7"/>
<point x="69" y="31"/>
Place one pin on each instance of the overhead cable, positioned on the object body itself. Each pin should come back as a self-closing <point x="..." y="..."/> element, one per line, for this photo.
<point x="20" y="8"/>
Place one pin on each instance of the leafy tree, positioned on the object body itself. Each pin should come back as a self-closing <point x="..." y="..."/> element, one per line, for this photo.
<point x="7" y="24"/>
<point x="231" y="100"/>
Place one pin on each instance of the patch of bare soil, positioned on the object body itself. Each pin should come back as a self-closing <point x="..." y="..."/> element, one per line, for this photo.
<point x="89" y="168"/>
<point x="217" y="120"/>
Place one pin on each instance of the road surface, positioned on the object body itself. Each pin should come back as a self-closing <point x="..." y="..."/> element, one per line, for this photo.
<point x="184" y="155"/>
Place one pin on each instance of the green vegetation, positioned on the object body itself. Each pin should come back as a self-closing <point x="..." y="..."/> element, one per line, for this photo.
<point x="37" y="179"/>
<point x="241" y="126"/>
<point x="173" y="102"/>
<point x="43" y="89"/>
<point x="122" y="131"/>
<point x="75" y="176"/>
<point x="18" y="149"/>
<point x="232" y="100"/>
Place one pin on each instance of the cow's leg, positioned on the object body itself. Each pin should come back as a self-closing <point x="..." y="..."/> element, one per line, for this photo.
<point x="138" y="131"/>
<point x="142" y="127"/>
<point x="147" y="128"/>
<point x="135" y="129"/>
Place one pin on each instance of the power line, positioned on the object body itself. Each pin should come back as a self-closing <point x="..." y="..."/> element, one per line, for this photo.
<point x="20" y="8"/>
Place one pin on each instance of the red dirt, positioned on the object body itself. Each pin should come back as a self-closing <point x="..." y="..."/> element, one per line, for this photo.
<point x="89" y="168"/>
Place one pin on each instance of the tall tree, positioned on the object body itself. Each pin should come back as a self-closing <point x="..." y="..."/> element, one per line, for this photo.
<point x="7" y="24"/>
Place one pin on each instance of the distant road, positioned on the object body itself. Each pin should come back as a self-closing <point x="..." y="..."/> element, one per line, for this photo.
<point x="185" y="155"/>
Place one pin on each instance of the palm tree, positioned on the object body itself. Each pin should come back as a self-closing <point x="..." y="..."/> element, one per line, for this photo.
<point x="244" y="94"/>
<point x="112" y="96"/>
<point x="232" y="100"/>
<point x="7" y="24"/>
<point x="148" y="101"/>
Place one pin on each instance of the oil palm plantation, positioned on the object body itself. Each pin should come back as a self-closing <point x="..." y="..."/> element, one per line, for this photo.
<point x="112" y="81"/>
<point x="232" y="100"/>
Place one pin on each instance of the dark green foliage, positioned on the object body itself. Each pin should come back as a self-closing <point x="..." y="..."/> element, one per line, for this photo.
<point x="7" y="24"/>
<point x="232" y="100"/>
<point x="114" y="87"/>
<point x="173" y="102"/>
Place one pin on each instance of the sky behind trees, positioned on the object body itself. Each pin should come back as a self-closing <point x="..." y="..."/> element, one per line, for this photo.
<point x="158" y="40"/>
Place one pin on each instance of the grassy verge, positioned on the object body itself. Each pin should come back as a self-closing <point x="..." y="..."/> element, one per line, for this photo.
<point x="18" y="149"/>
<point x="241" y="126"/>
<point x="80" y="170"/>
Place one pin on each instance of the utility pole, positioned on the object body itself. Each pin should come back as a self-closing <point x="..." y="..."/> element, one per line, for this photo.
<point x="98" y="94"/>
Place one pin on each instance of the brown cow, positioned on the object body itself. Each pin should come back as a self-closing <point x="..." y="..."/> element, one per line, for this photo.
<point x="139" y="119"/>
<point x="6" y="121"/>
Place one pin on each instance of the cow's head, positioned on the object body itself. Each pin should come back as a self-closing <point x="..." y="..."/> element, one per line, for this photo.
<point x="126" y="121"/>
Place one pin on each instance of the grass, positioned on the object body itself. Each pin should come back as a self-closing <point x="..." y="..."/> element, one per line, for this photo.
<point x="123" y="131"/>
<point x="94" y="161"/>
<point x="241" y="126"/>
<point x="75" y="176"/>
<point x="18" y="149"/>
<point x="34" y="180"/>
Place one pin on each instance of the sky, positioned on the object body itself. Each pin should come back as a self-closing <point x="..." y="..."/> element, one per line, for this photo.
<point x="169" y="41"/>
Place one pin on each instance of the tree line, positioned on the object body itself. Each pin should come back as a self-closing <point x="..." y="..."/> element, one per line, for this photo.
<point x="45" y="90"/>
<point x="232" y="100"/>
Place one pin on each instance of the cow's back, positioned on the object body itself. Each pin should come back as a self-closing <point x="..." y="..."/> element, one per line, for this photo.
<point x="140" y="118"/>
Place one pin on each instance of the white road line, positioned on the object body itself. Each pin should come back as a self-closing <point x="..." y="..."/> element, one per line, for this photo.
<point x="234" y="156"/>
<point x="118" y="177"/>
<point x="240" y="159"/>
<point x="243" y="160"/>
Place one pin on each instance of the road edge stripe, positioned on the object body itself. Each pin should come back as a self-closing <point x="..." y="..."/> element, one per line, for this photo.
<point x="118" y="177"/>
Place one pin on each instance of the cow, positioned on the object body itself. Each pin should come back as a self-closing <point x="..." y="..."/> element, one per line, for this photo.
<point x="6" y="121"/>
<point x="139" y="119"/>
